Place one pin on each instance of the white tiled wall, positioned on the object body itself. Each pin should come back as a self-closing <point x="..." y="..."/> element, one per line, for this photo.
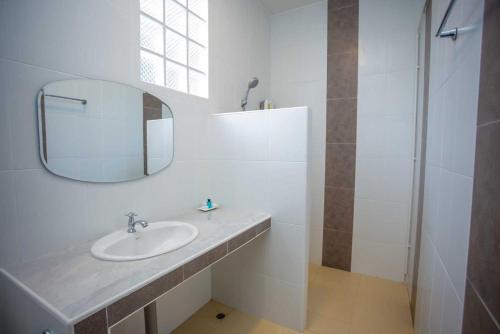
<point x="53" y="40"/>
<point x="384" y="144"/>
<point x="239" y="50"/>
<point x="454" y="86"/>
<point x="298" y="78"/>
<point x="261" y="163"/>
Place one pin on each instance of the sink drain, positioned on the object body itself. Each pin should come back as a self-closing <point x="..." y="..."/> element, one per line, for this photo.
<point x="220" y="316"/>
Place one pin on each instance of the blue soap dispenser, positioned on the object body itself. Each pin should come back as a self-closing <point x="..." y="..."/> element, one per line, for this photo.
<point x="209" y="203"/>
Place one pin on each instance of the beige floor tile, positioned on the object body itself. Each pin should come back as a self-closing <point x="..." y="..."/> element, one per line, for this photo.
<point x="337" y="278"/>
<point x="238" y="322"/>
<point x="284" y="330"/>
<point x="320" y="324"/>
<point x="198" y="325"/>
<point x="333" y="301"/>
<point x="382" y="306"/>
<point x="212" y="308"/>
<point x="339" y="303"/>
<point x="313" y="270"/>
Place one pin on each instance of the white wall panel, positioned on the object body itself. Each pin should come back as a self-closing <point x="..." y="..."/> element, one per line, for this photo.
<point x="298" y="50"/>
<point x="454" y="87"/>
<point x="267" y="278"/>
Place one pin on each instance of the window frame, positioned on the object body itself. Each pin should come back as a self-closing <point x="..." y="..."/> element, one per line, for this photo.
<point x="187" y="66"/>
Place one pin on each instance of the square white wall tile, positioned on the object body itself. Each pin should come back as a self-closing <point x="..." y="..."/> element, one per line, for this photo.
<point x="426" y="272"/>
<point x="458" y="233"/>
<point x="21" y="84"/>
<point x="372" y="94"/>
<point x="227" y="279"/>
<point x="239" y="184"/>
<point x="400" y="94"/>
<point x="287" y="184"/>
<point x="437" y="296"/>
<point x="286" y="253"/>
<point x="249" y="132"/>
<point x="43" y="201"/>
<point x="452" y="310"/>
<point x="379" y="259"/>
<point x="381" y="221"/>
<point x="10" y="247"/>
<point x="369" y="178"/>
<point x="316" y="245"/>
<point x="253" y="294"/>
<point x="280" y="293"/>
<point x="288" y="134"/>
<point x="317" y="205"/>
<point x="55" y="48"/>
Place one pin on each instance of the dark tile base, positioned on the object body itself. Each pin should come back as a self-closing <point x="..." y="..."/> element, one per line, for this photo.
<point x="340" y="165"/>
<point x="484" y="246"/>
<point x="95" y="324"/>
<point x="339" y="209"/>
<point x="476" y="317"/>
<point x="337" y="249"/>
<point x="138" y="299"/>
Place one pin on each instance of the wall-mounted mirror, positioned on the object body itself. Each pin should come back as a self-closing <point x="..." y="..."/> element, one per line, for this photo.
<point x="100" y="131"/>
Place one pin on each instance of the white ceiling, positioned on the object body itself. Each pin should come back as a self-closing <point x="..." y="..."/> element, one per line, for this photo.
<point x="278" y="6"/>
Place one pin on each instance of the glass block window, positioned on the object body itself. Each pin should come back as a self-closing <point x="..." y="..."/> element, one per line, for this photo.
<point x="174" y="44"/>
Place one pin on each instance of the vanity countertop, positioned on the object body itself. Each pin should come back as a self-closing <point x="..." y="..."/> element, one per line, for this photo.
<point x="73" y="284"/>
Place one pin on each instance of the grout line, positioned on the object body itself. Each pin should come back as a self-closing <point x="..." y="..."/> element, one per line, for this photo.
<point x="73" y="75"/>
<point x="341" y="98"/>
<point x="483" y="125"/>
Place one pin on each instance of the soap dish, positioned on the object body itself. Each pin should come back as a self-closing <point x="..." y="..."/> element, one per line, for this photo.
<point x="205" y="208"/>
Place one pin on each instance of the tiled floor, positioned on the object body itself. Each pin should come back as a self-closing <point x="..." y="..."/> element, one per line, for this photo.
<point x="339" y="303"/>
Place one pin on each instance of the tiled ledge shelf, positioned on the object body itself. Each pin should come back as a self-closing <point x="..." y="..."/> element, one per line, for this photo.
<point x="92" y="295"/>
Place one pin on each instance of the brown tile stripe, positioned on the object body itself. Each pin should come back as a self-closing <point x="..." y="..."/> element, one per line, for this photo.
<point x="129" y="304"/>
<point x="482" y="299"/>
<point x="340" y="155"/>
<point x="204" y="260"/>
<point x="95" y="324"/>
<point x="338" y="4"/>
<point x="476" y="318"/>
<point x="337" y="249"/>
<point x="241" y="239"/>
<point x="99" y="322"/>
<point x="264" y="226"/>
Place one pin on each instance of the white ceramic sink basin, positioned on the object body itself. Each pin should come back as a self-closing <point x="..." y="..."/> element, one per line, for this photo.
<point x="156" y="239"/>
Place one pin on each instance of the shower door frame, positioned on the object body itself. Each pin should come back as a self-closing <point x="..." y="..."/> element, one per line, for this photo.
<point x="419" y="153"/>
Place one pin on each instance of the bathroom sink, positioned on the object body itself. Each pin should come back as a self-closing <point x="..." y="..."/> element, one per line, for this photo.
<point x="156" y="239"/>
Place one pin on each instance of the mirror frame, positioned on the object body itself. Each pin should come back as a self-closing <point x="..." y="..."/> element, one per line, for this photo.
<point x="41" y="124"/>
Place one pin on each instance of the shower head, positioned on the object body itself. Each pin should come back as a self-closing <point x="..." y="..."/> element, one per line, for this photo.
<point x="251" y="84"/>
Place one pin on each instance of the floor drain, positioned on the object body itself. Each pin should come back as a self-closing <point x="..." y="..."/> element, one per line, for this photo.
<point x="220" y="316"/>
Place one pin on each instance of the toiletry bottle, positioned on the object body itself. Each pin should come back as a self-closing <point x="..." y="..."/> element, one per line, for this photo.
<point x="209" y="203"/>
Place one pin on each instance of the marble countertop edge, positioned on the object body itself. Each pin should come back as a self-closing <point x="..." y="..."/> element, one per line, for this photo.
<point x="64" y="317"/>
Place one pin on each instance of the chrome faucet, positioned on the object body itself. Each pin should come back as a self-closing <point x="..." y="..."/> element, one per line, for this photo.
<point x="132" y="222"/>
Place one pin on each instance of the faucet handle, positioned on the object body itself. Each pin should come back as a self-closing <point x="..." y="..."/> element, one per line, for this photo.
<point x="131" y="215"/>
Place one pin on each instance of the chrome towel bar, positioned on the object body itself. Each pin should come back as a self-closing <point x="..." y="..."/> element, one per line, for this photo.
<point x="82" y="101"/>
<point x="453" y="33"/>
